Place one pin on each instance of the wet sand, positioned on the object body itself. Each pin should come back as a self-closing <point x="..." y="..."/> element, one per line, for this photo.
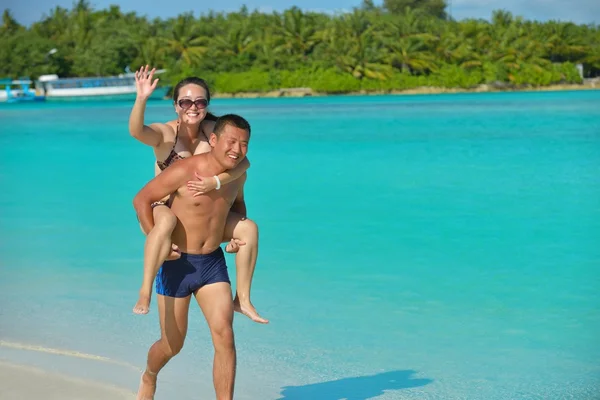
<point x="24" y="383"/>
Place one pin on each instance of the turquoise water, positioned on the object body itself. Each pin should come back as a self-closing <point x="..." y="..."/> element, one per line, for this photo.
<point x="416" y="247"/>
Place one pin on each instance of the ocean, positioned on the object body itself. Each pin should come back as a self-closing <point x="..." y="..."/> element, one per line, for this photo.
<point x="411" y="247"/>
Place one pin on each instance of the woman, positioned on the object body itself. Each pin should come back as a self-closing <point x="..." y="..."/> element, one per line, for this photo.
<point x="175" y="140"/>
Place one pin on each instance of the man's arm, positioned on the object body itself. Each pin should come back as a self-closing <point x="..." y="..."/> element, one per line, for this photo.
<point x="164" y="184"/>
<point x="239" y="204"/>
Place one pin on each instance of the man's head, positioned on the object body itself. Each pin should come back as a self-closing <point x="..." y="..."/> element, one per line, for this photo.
<point x="229" y="140"/>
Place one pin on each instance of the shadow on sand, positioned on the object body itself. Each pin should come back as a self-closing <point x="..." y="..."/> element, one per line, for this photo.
<point x="357" y="388"/>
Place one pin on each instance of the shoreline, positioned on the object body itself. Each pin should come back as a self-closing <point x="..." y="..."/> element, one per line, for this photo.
<point x="307" y="92"/>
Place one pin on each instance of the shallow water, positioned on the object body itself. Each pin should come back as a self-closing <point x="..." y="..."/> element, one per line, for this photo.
<point x="412" y="247"/>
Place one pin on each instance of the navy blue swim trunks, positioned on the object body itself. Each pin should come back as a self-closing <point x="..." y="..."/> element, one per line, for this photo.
<point x="182" y="277"/>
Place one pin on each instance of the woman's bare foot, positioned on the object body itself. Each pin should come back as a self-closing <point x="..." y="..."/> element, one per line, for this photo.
<point x="175" y="253"/>
<point x="147" y="386"/>
<point x="248" y="310"/>
<point x="143" y="305"/>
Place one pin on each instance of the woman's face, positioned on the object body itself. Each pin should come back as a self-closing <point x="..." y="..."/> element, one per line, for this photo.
<point x="191" y="104"/>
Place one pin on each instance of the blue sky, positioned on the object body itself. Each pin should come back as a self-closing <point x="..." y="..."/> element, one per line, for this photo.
<point x="579" y="11"/>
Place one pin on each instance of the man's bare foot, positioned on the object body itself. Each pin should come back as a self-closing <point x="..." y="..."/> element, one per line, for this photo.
<point x="248" y="310"/>
<point x="147" y="386"/>
<point x="143" y="305"/>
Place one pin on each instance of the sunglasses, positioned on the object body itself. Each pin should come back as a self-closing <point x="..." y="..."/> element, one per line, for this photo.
<point x="187" y="103"/>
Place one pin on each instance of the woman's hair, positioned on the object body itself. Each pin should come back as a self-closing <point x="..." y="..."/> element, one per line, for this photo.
<point x="193" y="80"/>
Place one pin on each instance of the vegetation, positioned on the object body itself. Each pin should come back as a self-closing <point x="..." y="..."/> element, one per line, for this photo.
<point x="403" y="44"/>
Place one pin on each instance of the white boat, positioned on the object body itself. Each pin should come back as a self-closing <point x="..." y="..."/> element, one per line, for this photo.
<point x="94" y="88"/>
<point x="18" y="91"/>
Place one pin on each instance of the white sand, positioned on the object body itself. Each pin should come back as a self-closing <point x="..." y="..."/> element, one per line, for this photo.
<point x="26" y="383"/>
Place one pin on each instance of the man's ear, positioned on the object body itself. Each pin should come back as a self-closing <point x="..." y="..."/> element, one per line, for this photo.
<point x="212" y="140"/>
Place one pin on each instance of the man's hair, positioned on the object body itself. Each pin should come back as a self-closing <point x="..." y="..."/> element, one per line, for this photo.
<point x="231" y="119"/>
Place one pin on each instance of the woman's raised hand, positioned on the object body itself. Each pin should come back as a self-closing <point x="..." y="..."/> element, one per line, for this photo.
<point x="143" y="82"/>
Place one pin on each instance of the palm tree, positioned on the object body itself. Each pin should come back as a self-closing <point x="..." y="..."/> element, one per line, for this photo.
<point x="9" y="24"/>
<point x="452" y="47"/>
<point x="352" y="43"/>
<point x="236" y="43"/>
<point x="82" y="24"/>
<point x="184" y="43"/>
<point x="561" y="41"/>
<point x="268" y="48"/>
<point x="407" y="47"/>
<point x="299" y="33"/>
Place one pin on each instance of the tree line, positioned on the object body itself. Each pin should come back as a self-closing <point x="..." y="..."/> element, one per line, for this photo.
<point x="401" y="45"/>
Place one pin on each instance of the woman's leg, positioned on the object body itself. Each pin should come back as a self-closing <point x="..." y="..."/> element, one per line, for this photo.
<point x="245" y="230"/>
<point x="156" y="250"/>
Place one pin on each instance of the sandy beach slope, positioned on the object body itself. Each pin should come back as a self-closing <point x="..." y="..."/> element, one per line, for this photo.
<point x="24" y="383"/>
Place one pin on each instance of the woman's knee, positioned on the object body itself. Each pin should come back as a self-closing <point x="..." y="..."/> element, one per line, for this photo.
<point x="246" y="230"/>
<point x="164" y="220"/>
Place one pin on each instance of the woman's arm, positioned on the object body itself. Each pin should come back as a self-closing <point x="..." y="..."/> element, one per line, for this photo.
<point x="232" y="174"/>
<point x="150" y="135"/>
<point x="206" y="184"/>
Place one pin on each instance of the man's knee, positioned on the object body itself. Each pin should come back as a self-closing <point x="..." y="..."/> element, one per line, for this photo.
<point x="172" y="347"/>
<point x="222" y="334"/>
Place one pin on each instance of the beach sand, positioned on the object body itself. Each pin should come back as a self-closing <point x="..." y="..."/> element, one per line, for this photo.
<point x="18" y="382"/>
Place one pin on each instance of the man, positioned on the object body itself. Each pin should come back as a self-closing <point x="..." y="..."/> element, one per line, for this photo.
<point x="201" y="270"/>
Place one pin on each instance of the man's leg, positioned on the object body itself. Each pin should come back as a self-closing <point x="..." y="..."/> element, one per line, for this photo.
<point x="217" y="306"/>
<point x="245" y="230"/>
<point x="173" y="317"/>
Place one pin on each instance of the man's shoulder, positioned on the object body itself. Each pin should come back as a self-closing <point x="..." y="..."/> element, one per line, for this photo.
<point x="197" y="160"/>
<point x="186" y="165"/>
<point x="199" y="156"/>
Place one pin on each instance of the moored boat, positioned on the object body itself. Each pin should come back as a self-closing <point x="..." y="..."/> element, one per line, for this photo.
<point x="18" y="91"/>
<point x="93" y="88"/>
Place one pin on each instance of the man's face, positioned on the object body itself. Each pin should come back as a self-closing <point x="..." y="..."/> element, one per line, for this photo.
<point x="231" y="146"/>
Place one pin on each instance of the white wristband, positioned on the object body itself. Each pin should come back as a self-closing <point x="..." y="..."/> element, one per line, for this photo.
<point x="218" y="182"/>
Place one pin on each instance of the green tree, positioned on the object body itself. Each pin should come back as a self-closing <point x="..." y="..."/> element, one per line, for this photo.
<point x="401" y="44"/>
<point x="436" y="8"/>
